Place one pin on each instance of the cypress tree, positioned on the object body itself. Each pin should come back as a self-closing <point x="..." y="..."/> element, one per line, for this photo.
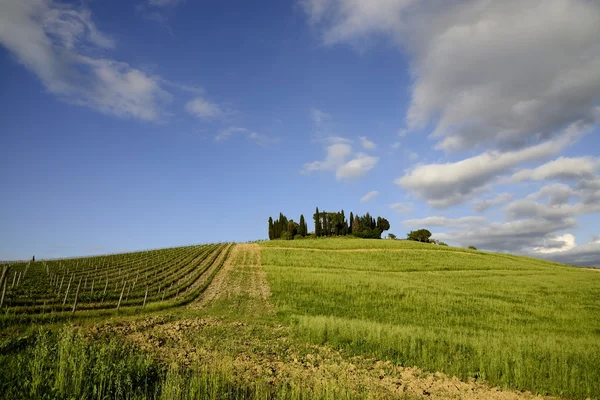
<point x="351" y="222"/>
<point x="271" y="232"/>
<point x="317" y="218"/>
<point x="302" y="228"/>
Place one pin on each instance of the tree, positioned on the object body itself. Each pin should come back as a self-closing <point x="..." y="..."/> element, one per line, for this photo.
<point x="421" y="235"/>
<point x="292" y="228"/>
<point x="383" y="224"/>
<point x="271" y="233"/>
<point x="302" y="229"/>
<point x="472" y="247"/>
<point x="317" y="218"/>
<point x="392" y="236"/>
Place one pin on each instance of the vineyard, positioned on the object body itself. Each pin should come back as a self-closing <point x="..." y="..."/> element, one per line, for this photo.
<point x="157" y="278"/>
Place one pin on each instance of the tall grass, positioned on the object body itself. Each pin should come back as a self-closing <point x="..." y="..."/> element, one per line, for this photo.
<point x="513" y="321"/>
<point x="68" y="365"/>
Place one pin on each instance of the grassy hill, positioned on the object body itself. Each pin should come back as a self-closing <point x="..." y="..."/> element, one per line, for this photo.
<point x="304" y="319"/>
<point x="513" y="321"/>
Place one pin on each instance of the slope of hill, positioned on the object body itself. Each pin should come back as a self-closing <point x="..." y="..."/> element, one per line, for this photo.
<point x="320" y="318"/>
<point x="513" y="321"/>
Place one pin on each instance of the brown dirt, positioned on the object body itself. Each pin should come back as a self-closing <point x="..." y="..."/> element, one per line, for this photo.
<point x="276" y="360"/>
<point x="202" y="278"/>
<point x="241" y="275"/>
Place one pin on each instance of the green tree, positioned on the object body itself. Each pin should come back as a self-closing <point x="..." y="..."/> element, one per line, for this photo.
<point x="392" y="236"/>
<point x="421" y="235"/>
<point x="472" y="247"/>
<point x="302" y="228"/>
<point x="383" y="224"/>
<point x="317" y="218"/>
<point x="271" y="233"/>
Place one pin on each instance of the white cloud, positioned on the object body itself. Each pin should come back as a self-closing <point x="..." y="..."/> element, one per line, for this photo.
<point x="340" y="157"/>
<point x="319" y="117"/>
<point x="445" y="222"/>
<point x="585" y="255"/>
<point x="357" y="167"/>
<point x="402" y="207"/>
<point x="163" y="3"/>
<point x="53" y="40"/>
<point x="557" y="244"/>
<point x="369" y="196"/>
<point x="402" y="132"/>
<point x="527" y="209"/>
<point x="336" y="156"/>
<point x="562" y="168"/>
<point x="367" y="144"/>
<point x="396" y="145"/>
<point x="227" y="133"/>
<point x="412" y="156"/>
<point x="557" y="194"/>
<point x="203" y="108"/>
<point x="519" y="236"/>
<point x="520" y="71"/>
<point x="483" y="205"/>
<point x="444" y="185"/>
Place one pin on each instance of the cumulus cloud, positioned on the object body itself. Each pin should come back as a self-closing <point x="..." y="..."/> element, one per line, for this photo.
<point x="357" y="167"/>
<point x="337" y="153"/>
<point x="556" y="244"/>
<point x="527" y="208"/>
<point x="556" y="193"/>
<point x="461" y="222"/>
<point x="55" y="42"/>
<point x="563" y="168"/>
<point x="367" y="144"/>
<point x="369" y="196"/>
<point x="205" y="109"/>
<point x="585" y="255"/>
<point x="520" y="72"/>
<point x="484" y="205"/>
<point x="401" y="207"/>
<point x="227" y="133"/>
<point x="515" y="236"/>
<point x="448" y="184"/>
<point x="340" y="157"/>
<point x="163" y="3"/>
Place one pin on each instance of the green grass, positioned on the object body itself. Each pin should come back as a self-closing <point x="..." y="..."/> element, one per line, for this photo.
<point x="514" y="321"/>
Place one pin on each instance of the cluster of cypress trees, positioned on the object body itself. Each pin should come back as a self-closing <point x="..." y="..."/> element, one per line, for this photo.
<point x="335" y="224"/>
<point x="329" y="224"/>
<point x="283" y="229"/>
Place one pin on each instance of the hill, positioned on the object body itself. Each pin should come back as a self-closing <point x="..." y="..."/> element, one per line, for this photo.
<point x="310" y="318"/>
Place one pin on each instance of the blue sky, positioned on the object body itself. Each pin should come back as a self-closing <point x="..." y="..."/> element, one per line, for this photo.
<point x="151" y="123"/>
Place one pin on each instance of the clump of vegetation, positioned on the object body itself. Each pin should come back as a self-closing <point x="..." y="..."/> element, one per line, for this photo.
<point x="329" y="224"/>
<point x="472" y="247"/>
<point x="421" y="235"/>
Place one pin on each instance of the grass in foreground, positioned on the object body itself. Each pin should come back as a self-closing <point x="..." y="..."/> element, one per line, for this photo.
<point x="512" y="321"/>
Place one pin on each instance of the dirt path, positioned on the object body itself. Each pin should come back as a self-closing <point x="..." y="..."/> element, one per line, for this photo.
<point x="365" y="250"/>
<point x="204" y="276"/>
<point x="241" y="280"/>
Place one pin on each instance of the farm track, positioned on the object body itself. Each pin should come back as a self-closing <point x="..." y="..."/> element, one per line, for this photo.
<point x="241" y="276"/>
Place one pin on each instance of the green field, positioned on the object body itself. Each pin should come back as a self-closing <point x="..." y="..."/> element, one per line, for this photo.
<point x="303" y="319"/>
<point x="512" y="321"/>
